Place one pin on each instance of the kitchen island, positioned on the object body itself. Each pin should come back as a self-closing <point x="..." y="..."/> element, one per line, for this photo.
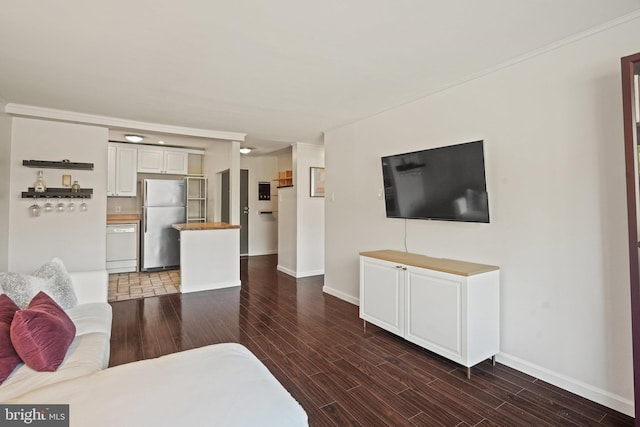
<point x="209" y="256"/>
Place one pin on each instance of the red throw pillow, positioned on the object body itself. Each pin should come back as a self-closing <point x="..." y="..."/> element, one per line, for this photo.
<point x="9" y="359"/>
<point x="42" y="333"/>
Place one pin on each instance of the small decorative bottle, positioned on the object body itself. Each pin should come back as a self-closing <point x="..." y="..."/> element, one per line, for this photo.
<point x="75" y="187"/>
<point x="40" y="186"/>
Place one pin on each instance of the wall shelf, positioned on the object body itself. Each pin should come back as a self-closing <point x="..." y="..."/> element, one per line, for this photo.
<point x="83" y="193"/>
<point x="47" y="164"/>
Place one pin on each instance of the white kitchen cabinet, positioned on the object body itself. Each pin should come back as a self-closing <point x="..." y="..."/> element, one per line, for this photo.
<point x="166" y="161"/>
<point x="122" y="162"/>
<point x="449" y="307"/>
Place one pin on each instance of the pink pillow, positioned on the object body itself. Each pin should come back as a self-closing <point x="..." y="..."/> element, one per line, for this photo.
<point x="42" y="333"/>
<point x="9" y="359"/>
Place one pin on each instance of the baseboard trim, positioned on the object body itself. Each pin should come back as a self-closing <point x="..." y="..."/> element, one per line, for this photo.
<point x="310" y="273"/>
<point x="587" y="391"/>
<point x="286" y="270"/>
<point x="299" y="275"/>
<point x="211" y="286"/>
<point x="339" y="294"/>
<point x="273" y="252"/>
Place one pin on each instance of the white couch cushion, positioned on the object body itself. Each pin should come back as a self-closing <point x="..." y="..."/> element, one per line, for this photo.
<point x="92" y="317"/>
<point x="217" y="385"/>
<point x="87" y="354"/>
<point x="61" y="288"/>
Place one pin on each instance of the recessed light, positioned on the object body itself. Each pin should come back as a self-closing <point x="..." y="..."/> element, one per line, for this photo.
<point x="133" y="138"/>
<point x="245" y="150"/>
<point x="160" y="142"/>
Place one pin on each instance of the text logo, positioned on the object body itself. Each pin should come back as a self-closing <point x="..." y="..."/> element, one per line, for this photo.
<point x="34" y="415"/>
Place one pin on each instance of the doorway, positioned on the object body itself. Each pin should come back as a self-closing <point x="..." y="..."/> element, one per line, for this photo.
<point x="244" y="206"/>
<point x="631" y="115"/>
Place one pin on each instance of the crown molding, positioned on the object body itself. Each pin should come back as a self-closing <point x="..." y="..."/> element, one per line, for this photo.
<point x="514" y="61"/>
<point x="72" y="116"/>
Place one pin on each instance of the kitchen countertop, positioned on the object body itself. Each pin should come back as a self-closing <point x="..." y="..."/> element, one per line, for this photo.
<point x="204" y="226"/>
<point x="122" y="218"/>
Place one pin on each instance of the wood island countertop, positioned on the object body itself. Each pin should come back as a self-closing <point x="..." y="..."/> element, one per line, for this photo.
<point x="122" y="218"/>
<point x="204" y="226"/>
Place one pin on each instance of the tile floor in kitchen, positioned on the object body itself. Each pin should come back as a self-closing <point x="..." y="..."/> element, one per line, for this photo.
<point x="124" y="286"/>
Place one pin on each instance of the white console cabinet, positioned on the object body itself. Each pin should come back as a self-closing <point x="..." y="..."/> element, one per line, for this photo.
<point x="449" y="307"/>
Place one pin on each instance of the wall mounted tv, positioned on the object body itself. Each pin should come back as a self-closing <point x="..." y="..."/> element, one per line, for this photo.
<point x="445" y="183"/>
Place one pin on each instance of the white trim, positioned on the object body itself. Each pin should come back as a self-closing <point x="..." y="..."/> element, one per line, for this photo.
<point x="72" y="116"/>
<point x="310" y="273"/>
<point x="587" y="391"/>
<point x="636" y="85"/>
<point x="530" y="55"/>
<point x="298" y="275"/>
<point x="271" y="252"/>
<point x="341" y="295"/>
<point x="286" y="270"/>
<point x="212" y="286"/>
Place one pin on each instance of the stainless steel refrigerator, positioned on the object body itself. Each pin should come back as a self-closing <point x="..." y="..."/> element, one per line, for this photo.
<point x="164" y="204"/>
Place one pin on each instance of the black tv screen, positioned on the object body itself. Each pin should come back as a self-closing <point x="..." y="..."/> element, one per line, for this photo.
<point x="445" y="183"/>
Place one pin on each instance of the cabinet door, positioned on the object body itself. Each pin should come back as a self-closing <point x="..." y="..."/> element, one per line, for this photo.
<point x="126" y="176"/>
<point x="382" y="294"/>
<point x="435" y="315"/>
<point x="111" y="170"/>
<point x="176" y="162"/>
<point x="150" y="160"/>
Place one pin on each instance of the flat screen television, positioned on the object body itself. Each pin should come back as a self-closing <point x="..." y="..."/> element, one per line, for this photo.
<point x="445" y="183"/>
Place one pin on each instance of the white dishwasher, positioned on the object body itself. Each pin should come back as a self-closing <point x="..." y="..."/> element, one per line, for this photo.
<point x="122" y="247"/>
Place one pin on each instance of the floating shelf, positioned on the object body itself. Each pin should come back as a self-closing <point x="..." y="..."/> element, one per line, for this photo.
<point x="52" y="193"/>
<point x="47" y="164"/>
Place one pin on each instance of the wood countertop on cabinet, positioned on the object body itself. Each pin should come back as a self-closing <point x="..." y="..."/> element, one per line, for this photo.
<point x="204" y="226"/>
<point x="122" y="218"/>
<point x="460" y="268"/>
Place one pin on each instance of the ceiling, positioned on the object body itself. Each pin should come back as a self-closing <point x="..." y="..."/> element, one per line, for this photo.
<point x="281" y="71"/>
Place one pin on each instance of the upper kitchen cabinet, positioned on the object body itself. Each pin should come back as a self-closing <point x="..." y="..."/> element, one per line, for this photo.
<point x="122" y="161"/>
<point x="159" y="160"/>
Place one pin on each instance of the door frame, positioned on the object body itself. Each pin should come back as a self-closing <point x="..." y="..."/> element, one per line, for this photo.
<point x="225" y="208"/>
<point x="633" y="184"/>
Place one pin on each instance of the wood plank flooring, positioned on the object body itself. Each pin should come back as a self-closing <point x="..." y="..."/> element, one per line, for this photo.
<point x="315" y="345"/>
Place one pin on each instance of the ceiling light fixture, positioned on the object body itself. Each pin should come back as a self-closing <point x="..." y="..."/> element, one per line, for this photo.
<point x="133" y="138"/>
<point x="160" y="142"/>
<point x="245" y="150"/>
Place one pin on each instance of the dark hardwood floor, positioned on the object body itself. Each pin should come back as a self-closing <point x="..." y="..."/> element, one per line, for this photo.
<point x="315" y="345"/>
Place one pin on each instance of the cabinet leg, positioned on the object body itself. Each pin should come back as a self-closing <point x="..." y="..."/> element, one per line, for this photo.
<point x="493" y="360"/>
<point x="469" y="373"/>
<point x="364" y="326"/>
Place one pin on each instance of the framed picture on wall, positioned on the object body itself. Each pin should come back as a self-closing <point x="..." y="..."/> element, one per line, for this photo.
<point x="317" y="182"/>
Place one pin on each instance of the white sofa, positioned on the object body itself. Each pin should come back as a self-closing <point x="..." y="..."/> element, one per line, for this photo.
<point x="216" y="385"/>
<point x="89" y="351"/>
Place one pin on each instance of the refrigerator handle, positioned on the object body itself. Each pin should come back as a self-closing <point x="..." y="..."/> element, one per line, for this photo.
<point x="145" y="219"/>
<point x="144" y="194"/>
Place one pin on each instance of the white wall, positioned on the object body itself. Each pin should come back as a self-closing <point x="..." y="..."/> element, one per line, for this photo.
<point x="301" y="217"/>
<point x="287" y="231"/>
<point x="263" y="228"/>
<point x="284" y="159"/>
<point x="552" y="127"/>
<point x="217" y="158"/>
<point x="5" y="163"/>
<point x="77" y="238"/>
<point x="310" y="211"/>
